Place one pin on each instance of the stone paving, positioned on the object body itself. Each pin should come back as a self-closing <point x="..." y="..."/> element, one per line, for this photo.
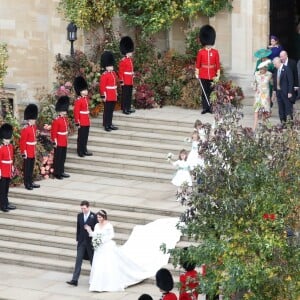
<point x="25" y="283"/>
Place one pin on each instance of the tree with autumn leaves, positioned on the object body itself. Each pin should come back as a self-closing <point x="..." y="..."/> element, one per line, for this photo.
<point x="243" y="217"/>
<point x="148" y="17"/>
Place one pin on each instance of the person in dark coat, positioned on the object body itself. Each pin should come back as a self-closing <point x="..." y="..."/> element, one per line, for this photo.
<point x="108" y="89"/>
<point x="82" y="116"/>
<point x="84" y="243"/>
<point x="28" y="145"/>
<point x="59" y="137"/>
<point x="283" y="90"/>
<point x="126" y="73"/>
<point x="293" y="66"/>
<point x="165" y="283"/>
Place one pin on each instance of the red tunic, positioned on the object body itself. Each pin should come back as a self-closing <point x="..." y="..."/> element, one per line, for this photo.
<point x="208" y="63"/>
<point x="6" y="160"/>
<point x="126" y="71"/>
<point x="59" y="131"/>
<point x="169" y="296"/>
<point x="28" y="141"/>
<point x="108" y="86"/>
<point x="81" y="111"/>
<point x="189" y="282"/>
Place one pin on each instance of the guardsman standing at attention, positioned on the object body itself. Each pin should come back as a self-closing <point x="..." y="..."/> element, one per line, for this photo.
<point x="126" y="73"/>
<point x="59" y="137"/>
<point x="28" y="145"/>
<point x="6" y="165"/>
<point x="82" y="116"/>
<point x="108" y="89"/>
<point x="207" y="65"/>
<point x="165" y="283"/>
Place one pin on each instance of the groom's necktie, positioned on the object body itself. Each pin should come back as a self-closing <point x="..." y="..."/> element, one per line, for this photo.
<point x="85" y="217"/>
<point x="278" y="78"/>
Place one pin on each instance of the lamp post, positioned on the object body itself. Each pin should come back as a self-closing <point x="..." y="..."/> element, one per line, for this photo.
<point x="72" y="35"/>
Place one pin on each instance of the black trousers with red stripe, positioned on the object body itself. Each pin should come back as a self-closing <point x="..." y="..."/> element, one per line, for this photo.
<point x="109" y="107"/>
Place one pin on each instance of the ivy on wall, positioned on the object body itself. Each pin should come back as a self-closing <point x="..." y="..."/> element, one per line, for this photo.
<point x="3" y="61"/>
<point x="149" y="16"/>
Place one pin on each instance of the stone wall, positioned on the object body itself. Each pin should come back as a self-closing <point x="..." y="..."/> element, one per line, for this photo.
<point x="35" y="33"/>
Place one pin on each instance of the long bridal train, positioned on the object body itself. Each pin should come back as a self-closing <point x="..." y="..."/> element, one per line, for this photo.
<point x="117" y="267"/>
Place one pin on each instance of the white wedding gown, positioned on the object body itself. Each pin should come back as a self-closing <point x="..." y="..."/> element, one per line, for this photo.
<point x="116" y="267"/>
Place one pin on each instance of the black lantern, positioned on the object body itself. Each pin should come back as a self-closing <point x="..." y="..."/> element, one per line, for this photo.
<point x="72" y="35"/>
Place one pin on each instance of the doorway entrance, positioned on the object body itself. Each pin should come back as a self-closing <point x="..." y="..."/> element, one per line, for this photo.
<point x="284" y="18"/>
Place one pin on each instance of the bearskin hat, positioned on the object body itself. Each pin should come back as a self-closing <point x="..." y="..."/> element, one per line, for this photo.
<point x="126" y="45"/>
<point x="6" y="131"/>
<point x="80" y="85"/>
<point x="186" y="263"/>
<point x="62" y="104"/>
<point x="107" y="59"/>
<point x="207" y="35"/>
<point x="145" y="297"/>
<point x="164" y="280"/>
<point x="31" y="112"/>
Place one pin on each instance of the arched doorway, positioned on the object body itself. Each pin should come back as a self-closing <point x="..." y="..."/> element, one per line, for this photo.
<point x="284" y="18"/>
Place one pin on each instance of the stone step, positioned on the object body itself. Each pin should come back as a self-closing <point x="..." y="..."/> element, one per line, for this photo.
<point x="47" y="240"/>
<point x="148" y="124"/>
<point x="117" y="173"/>
<point x="65" y="266"/>
<point x="65" y="214"/>
<point x="155" y="119"/>
<point x="38" y="250"/>
<point x="128" y="154"/>
<point x="66" y="199"/>
<point x="44" y="263"/>
<point x="59" y="225"/>
<point x="176" y="136"/>
<point x="122" y="163"/>
<point x="124" y="144"/>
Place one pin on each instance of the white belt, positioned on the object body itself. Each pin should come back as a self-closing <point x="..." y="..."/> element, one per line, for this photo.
<point x="31" y="143"/>
<point x="62" y="133"/>
<point x="7" y="161"/>
<point x="113" y="87"/>
<point x="85" y="112"/>
<point x="128" y="73"/>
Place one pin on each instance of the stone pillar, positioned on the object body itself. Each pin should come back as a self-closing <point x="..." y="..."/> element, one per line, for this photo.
<point x="243" y="31"/>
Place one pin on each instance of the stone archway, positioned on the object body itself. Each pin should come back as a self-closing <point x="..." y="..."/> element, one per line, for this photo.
<point x="284" y="17"/>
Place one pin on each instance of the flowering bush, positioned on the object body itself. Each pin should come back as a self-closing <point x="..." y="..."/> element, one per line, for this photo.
<point x="144" y="97"/>
<point x="243" y="216"/>
<point x="46" y="165"/>
<point x="68" y="67"/>
<point x="226" y="92"/>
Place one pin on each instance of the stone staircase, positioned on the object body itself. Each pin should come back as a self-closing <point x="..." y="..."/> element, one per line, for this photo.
<point x="137" y="151"/>
<point x="40" y="233"/>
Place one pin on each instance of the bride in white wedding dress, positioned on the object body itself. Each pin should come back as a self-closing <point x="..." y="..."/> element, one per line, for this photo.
<point x="116" y="267"/>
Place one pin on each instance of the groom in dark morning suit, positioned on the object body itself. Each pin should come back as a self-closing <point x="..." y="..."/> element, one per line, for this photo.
<point x="84" y="244"/>
<point x="283" y="90"/>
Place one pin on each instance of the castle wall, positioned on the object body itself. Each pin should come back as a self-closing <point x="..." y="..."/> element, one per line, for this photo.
<point x="35" y="33"/>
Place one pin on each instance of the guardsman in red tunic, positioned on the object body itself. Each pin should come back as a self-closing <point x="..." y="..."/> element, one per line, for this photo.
<point x="207" y="65"/>
<point x="6" y="166"/>
<point x="82" y="116"/>
<point x="108" y="89"/>
<point x="59" y="137"/>
<point x="28" y="145"/>
<point x="189" y="282"/>
<point x="126" y="73"/>
<point x="164" y="281"/>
